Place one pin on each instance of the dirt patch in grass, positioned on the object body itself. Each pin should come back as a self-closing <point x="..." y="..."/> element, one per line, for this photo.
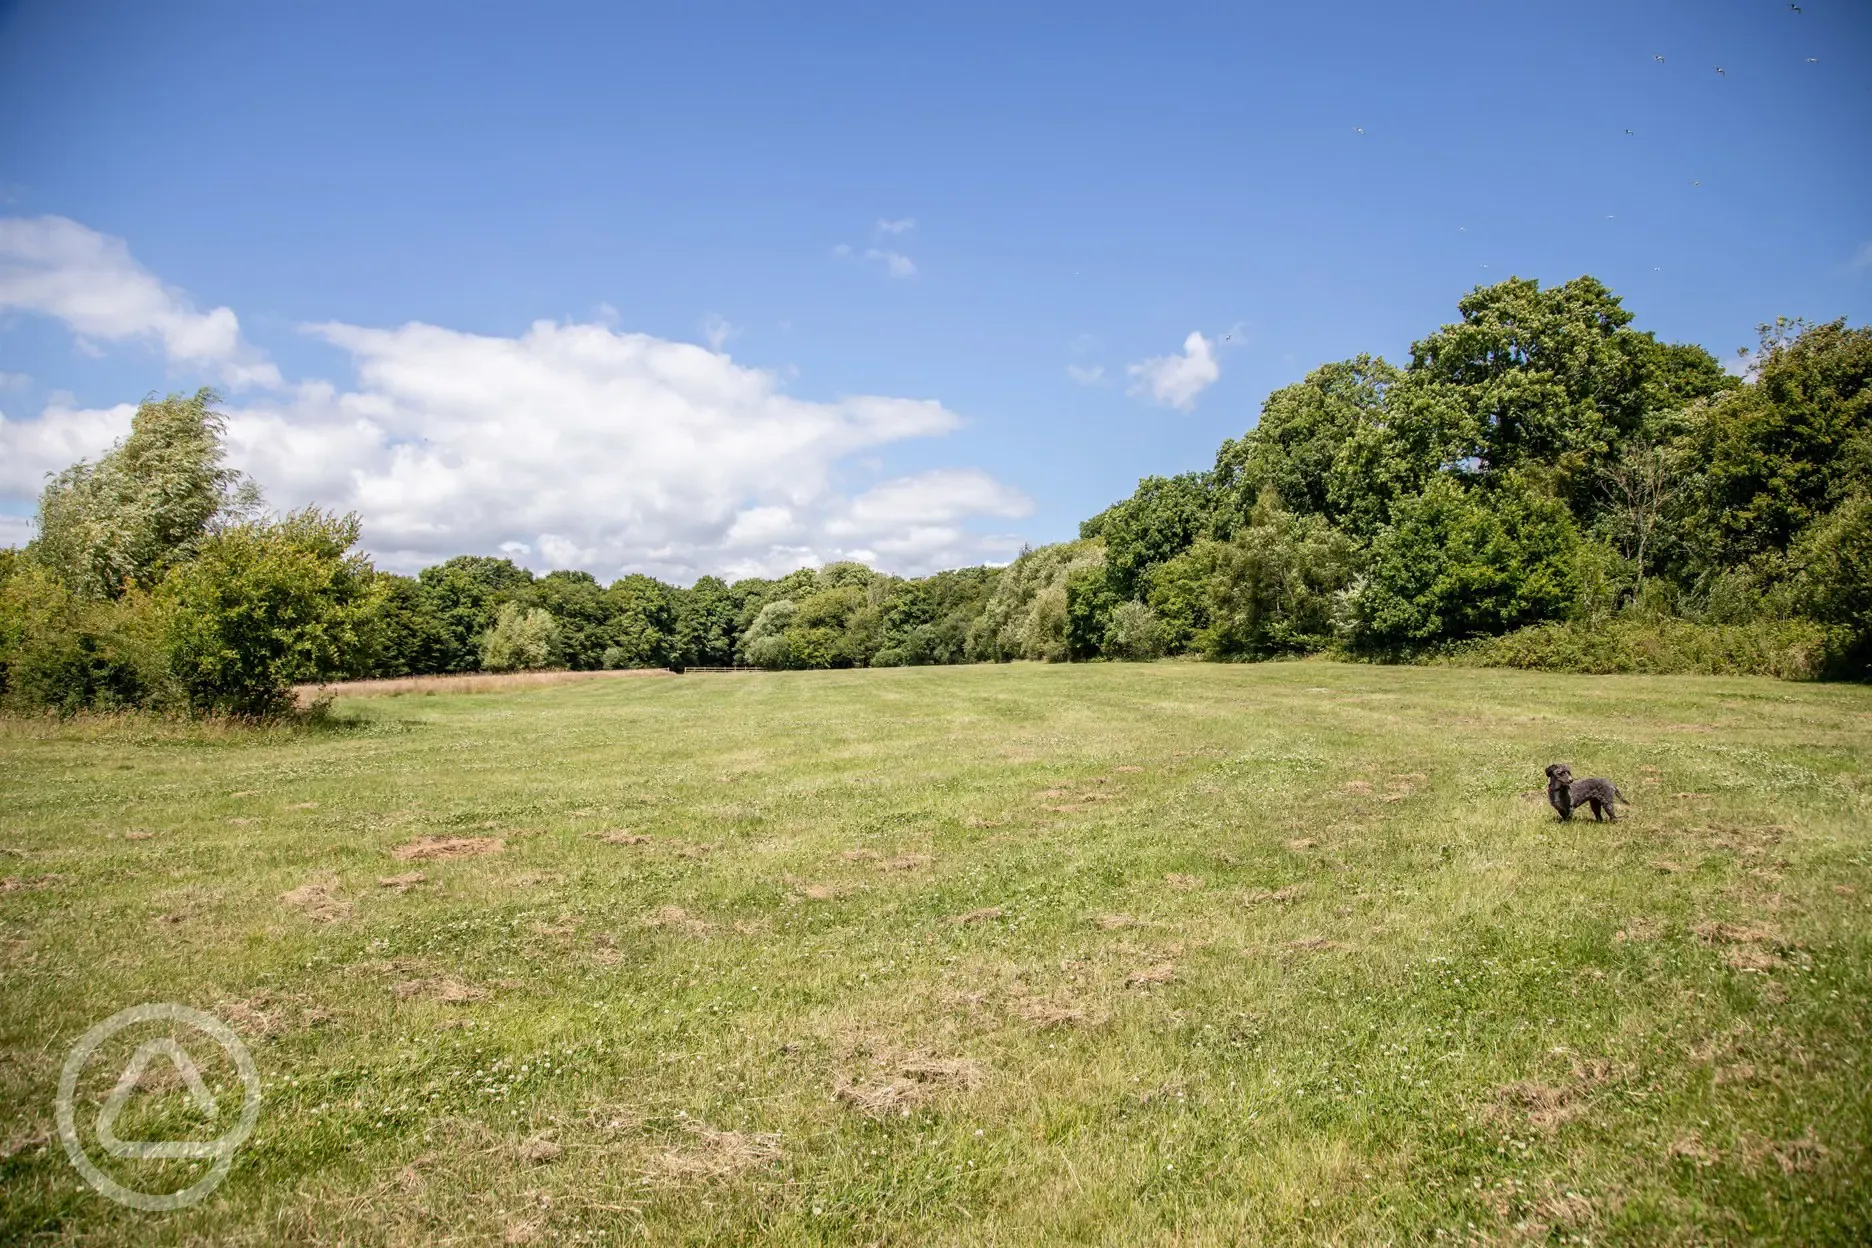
<point x="1718" y="933"/>
<point x="1279" y="896"/>
<point x="447" y="990"/>
<point x="1543" y="1106"/>
<point x="676" y="919"/>
<point x="709" y="1154"/>
<point x="436" y="848"/>
<point x="22" y="884"/>
<point x="1315" y="944"/>
<point x="894" y="1082"/>
<point x="1796" y="1156"/>
<point x="1150" y="976"/>
<point x="1057" y="1012"/>
<point x="1547" y="1107"/>
<point x="982" y="915"/>
<point x="1742" y="944"/>
<point x="1183" y="883"/>
<point x="318" y="900"/>
<point x="1750" y="958"/>
<point x="905" y="862"/>
<point x="538" y="1150"/>
<point x="265" y="1015"/>
<point x="138" y="834"/>
<point x="1638" y="928"/>
<point x="401" y="883"/>
<point x="623" y="837"/>
<point x="1691" y="1148"/>
<point x="822" y="892"/>
<point x="860" y="855"/>
<point x="1301" y="844"/>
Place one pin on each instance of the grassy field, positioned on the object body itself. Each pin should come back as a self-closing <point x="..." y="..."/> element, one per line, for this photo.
<point x="1171" y="953"/>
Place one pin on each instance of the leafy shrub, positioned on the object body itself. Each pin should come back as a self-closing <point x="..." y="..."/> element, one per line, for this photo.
<point x="1788" y="649"/>
<point x="765" y="643"/>
<point x="1025" y="617"/>
<point x="1132" y="631"/>
<point x="1458" y="563"/>
<point x="265" y="604"/>
<point x="1180" y="594"/>
<point x="834" y="627"/>
<point x="521" y="640"/>
<point x="1089" y="602"/>
<point x="64" y="652"/>
<point x="1277" y="585"/>
<point x="1834" y="584"/>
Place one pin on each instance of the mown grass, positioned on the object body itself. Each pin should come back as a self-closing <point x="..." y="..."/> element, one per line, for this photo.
<point x="1173" y="953"/>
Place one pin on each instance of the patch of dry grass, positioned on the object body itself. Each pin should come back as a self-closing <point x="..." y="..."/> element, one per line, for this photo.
<point x="475" y="682"/>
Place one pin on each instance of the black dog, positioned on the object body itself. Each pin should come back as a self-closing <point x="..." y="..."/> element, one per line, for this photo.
<point x="1566" y="794"/>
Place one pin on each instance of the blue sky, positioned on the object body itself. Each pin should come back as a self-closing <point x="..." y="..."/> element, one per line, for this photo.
<point x="1004" y="223"/>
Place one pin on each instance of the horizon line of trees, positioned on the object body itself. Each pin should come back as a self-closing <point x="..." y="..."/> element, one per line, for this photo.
<point x="1537" y="465"/>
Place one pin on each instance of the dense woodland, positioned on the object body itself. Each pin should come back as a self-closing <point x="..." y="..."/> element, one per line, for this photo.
<point x="1540" y="485"/>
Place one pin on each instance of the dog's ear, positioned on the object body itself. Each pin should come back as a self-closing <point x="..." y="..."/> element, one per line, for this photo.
<point x="1551" y="768"/>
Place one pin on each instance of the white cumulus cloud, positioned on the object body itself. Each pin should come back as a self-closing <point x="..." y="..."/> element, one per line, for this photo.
<point x="61" y="436"/>
<point x="1176" y="380"/>
<point x="568" y="445"/>
<point x="56" y="267"/>
<point x="899" y="226"/>
<point x="574" y="445"/>
<point x="1093" y="376"/>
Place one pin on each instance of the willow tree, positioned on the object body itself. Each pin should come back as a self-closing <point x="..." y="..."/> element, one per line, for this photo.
<point x="147" y="504"/>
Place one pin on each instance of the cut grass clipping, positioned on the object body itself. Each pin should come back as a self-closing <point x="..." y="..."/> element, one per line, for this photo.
<point x="1173" y="953"/>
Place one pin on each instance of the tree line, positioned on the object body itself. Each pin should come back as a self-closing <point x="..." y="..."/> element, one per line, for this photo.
<point x="1541" y="484"/>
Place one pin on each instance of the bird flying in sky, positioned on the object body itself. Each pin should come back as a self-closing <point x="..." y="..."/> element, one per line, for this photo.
<point x="1659" y="59"/>
<point x="1722" y="71"/>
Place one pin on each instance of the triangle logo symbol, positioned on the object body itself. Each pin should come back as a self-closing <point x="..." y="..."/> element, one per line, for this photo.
<point x="126" y="1084"/>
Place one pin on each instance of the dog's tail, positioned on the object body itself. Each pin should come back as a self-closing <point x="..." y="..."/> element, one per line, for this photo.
<point x="1621" y="797"/>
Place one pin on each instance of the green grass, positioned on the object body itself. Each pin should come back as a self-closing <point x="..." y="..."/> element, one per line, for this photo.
<point x="1465" y="1021"/>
